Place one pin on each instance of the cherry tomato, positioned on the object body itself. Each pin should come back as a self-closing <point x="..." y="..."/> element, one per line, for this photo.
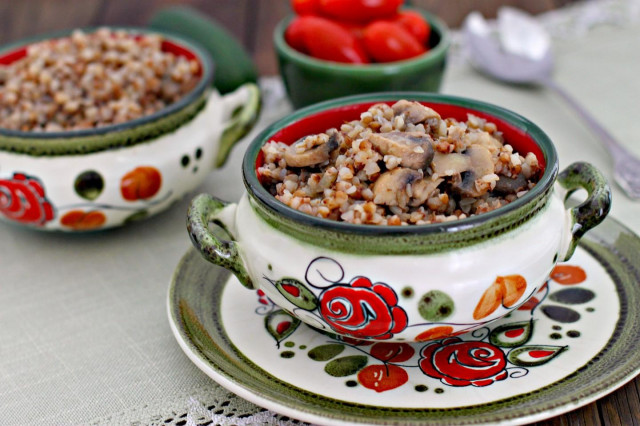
<point x="359" y="10"/>
<point x="355" y="28"/>
<point x="415" y="24"/>
<point x="327" y="40"/>
<point x="388" y="42"/>
<point x="306" y="7"/>
<point x="294" y="34"/>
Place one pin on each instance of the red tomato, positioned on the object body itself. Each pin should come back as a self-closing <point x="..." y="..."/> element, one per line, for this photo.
<point x="306" y="7"/>
<point x="355" y="28"/>
<point x="359" y="10"/>
<point x="294" y="34"/>
<point x="415" y="24"/>
<point x="327" y="40"/>
<point x="388" y="42"/>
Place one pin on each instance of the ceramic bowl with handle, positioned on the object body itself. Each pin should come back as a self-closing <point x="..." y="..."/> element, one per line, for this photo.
<point x="103" y="177"/>
<point x="402" y="283"/>
<point x="309" y="80"/>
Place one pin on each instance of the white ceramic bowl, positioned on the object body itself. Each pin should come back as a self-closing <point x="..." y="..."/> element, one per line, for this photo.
<point x="404" y="283"/>
<point x="104" y="177"/>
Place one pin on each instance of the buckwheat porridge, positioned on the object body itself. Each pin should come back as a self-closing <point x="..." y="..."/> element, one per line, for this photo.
<point x="91" y="80"/>
<point x="399" y="165"/>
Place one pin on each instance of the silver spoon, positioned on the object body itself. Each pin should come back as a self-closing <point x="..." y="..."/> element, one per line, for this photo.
<point x="523" y="56"/>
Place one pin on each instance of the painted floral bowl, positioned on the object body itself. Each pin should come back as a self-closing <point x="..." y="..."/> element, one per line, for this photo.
<point x="402" y="283"/>
<point x="107" y="176"/>
<point x="309" y="80"/>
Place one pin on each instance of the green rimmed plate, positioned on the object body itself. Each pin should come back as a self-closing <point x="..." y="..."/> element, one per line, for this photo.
<point x="571" y="345"/>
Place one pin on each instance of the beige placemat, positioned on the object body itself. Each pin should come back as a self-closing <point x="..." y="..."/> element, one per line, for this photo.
<point x="84" y="336"/>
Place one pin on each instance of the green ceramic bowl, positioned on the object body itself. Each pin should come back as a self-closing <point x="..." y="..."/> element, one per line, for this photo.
<point x="309" y="80"/>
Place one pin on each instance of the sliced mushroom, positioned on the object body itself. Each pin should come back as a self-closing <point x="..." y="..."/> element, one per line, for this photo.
<point x="481" y="165"/>
<point x="391" y="187"/>
<point x="506" y="185"/>
<point x="414" y="112"/>
<point x="413" y="148"/>
<point x="450" y="164"/>
<point x="313" y="156"/>
<point x="484" y="139"/>
<point x="423" y="189"/>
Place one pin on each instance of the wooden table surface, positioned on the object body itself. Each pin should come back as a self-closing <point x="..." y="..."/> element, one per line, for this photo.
<point x="252" y="22"/>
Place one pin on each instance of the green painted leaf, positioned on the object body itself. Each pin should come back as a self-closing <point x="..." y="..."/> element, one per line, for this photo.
<point x="534" y="355"/>
<point x="346" y="366"/>
<point x="325" y="352"/>
<point x="134" y="217"/>
<point x="280" y="325"/>
<point x="295" y="292"/>
<point x="512" y="335"/>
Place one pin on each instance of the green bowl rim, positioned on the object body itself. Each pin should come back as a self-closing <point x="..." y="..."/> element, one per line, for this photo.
<point x="435" y="55"/>
<point x="191" y="45"/>
<point x="266" y="200"/>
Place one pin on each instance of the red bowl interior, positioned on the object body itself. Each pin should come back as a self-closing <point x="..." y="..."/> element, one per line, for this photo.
<point x="167" y="46"/>
<point x="319" y="122"/>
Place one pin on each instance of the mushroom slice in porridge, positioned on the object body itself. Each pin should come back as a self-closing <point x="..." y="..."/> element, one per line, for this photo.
<point x="312" y="150"/>
<point x="414" y="149"/>
<point x="393" y="188"/>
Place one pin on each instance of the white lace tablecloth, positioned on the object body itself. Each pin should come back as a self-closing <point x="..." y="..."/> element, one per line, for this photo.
<point x="84" y="335"/>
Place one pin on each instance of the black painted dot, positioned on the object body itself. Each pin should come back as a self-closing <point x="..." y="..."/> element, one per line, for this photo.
<point x="289" y="344"/>
<point x="270" y="267"/>
<point x="184" y="160"/>
<point x="195" y="169"/>
<point x="573" y="296"/>
<point x="407" y="292"/>
<point x="555" y="336"/>
<point x="557" y="327"/>
<point x="198" y="153"/>
<point x="303" y="347"/>
<point x="287" y="354"/>
<point x="561" y="314"/>
<point x="351" y="383"/>
<point x="438" y="390"/>
<point x="421" y="388"/>
<point x="573" y="333"/>
<point x="590" y="310"/>
<point x="555" y="258"/>
<point x="89" y="184"/>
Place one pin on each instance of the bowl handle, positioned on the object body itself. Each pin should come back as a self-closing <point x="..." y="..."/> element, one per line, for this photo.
<point x="593" y="210"/>
<point x="204" y="209"/>
<point x="243" y="108"/>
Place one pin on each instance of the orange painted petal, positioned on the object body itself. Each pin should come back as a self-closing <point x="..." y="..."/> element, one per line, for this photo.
<point x="490" y="301"/>
<point x="514" y="287"/>
<point x="434" y="333"/>
<point x="568" y="274"/>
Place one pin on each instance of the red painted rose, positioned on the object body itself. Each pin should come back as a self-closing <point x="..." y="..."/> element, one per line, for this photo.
<point x="363" y="310"/>
<point x="463" y="363"/>
<point x="22" y="198"/>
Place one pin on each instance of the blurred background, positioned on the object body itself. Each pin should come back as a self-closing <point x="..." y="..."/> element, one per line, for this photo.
<point x="250" y="21"/>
